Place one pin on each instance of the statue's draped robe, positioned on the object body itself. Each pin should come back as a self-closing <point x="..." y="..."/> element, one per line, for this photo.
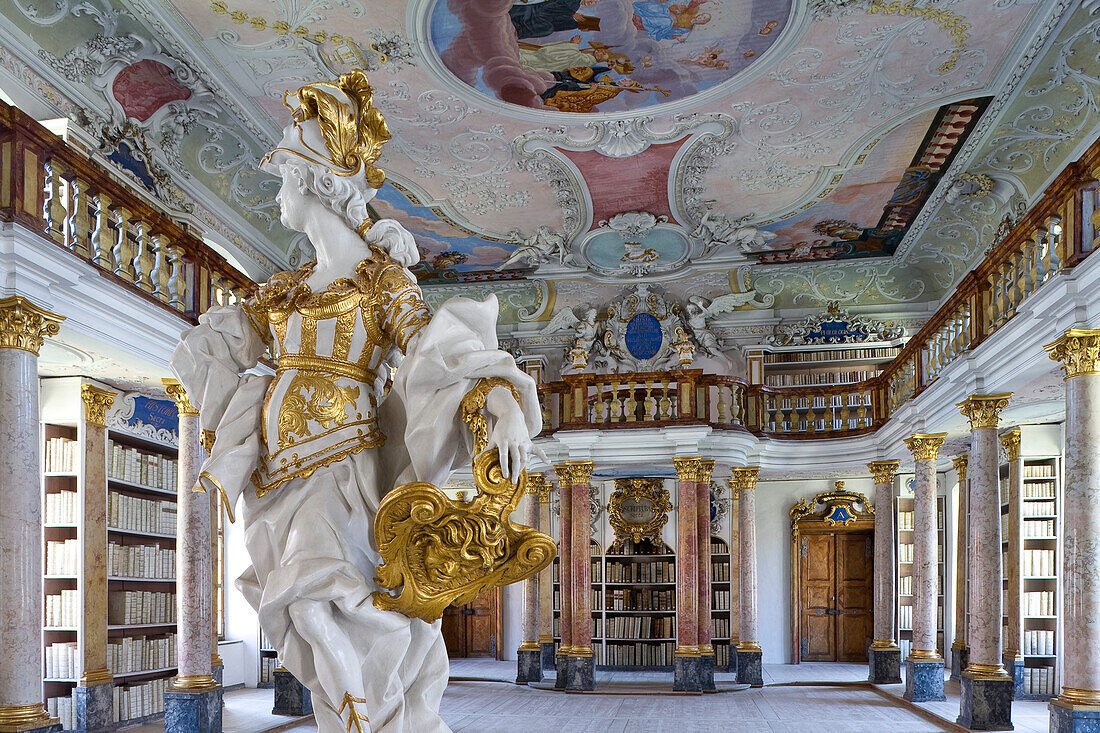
<point x="314" y="450"/>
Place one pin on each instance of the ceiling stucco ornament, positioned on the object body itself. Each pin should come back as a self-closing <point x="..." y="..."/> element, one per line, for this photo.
<point x="635" y="244"/>
<point x="835" y="326"/>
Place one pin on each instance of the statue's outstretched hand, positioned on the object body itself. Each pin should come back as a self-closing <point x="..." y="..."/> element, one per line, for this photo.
<point x="509" y="433"/>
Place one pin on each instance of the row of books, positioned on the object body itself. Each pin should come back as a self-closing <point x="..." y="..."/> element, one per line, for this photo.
<point x="597" y="599"/>
<point x="1038" y="528"/>
<point x="267" y="668"/>
<point x="1038" y="641"/>
<point x="1039" y="603"/>
<point x="905" y="520"/>
<point x="657" y="654"/>
<point x="658" y="571"/>
<point x="140" y="700"/>
<point x="718" y="548"/>
<point x="60" y="455"/>
<point x="905" y="585"/>
<point x="630" y="547"/>
<point x="720" y="628"/>
<point x="1038" y="470"/>
<point x="905" y="617"/>
<point x="1039" y="680"/>
<point x="1039" y="490"/>
<point x="141" y="467"/>
<point x="596" y="577"/>
<point x="1038" y="563"/>
<point x="1040" y="509"/>
<point x="60" y="508"/>
<point x="906" y="554"/>
<point x="812" y="379"/>
<point x="62" y="609"/>
<point x="141" y="561"/>
<point x="141" y="653"/>
<point x="62" y="661"/>
<point x="640" y="627"/>
<point x="720" y="600"/>
<point x="141" y="515"/>
<point x="140" y="607"/>
<point x="789" y="357"/>
<point x="630" y="599"/>
<point x="62" y="557"/>
<point x="720" y="572"/>
<point x="64" y="709"/>
<point x="721" y="656"/>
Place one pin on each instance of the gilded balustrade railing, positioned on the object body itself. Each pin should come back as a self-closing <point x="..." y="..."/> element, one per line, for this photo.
<point x="50" y="188"/>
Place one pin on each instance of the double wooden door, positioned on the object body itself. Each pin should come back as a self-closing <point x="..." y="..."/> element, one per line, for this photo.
<point x="473" y="630"/>
<point x="836" y="595"/>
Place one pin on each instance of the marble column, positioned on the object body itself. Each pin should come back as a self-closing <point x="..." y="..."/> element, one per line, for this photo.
<point x="94" y="695"/>
<point x="703" y="472"/>
<point x="581" y="668"/>
<point x="1010" y="535"/>
<point x="960" y="652"/>
<point x="1077" y="708"/>
<point x="924" y="666"/>
<point x="546" y="585"/>
<point x="685" y="658"/>
<point x="565" y="574"/>
<point x="192" y="703"/>
<point x="884" y="656"/>
<point x="987" y="690"/>
<point x="23" y="328"/>
<point x="749" y="656"/>
<point x="529" y="654"/>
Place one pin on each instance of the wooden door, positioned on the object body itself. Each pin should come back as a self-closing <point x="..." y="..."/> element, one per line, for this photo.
<point x="473" y="630"/>
<point x="835" y="571"/>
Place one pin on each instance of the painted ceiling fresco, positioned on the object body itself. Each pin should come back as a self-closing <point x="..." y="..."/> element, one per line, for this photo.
<point x="823" y="137"/>
<point x="584" y="56"/>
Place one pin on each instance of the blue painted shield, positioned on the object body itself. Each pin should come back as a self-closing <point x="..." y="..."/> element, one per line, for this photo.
<point x="643" y="336"/>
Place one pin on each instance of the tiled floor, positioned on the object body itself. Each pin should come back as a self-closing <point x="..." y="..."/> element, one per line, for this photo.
<point x="482" y="698"/>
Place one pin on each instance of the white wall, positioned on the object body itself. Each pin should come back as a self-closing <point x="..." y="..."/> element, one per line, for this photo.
<point x="241" y="623"/>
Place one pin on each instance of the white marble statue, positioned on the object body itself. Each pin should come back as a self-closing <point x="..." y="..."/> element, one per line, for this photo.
<point x="314" y="449"/>
<point x="716" y="230"/>
<point x="541" y="247"/>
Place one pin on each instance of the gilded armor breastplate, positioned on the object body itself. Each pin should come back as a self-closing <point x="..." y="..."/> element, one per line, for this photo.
<point x="323" y="403"/>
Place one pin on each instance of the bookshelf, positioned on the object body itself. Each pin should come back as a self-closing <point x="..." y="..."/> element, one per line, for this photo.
<point x="640" y="609"/>
<point x="1035" y="502"/>
<point x="906" y="601"/>
<point x="825" y="364"/>
<point x="132" y="537"/>
<point x="720" y="603"/>
<point x="596" y="553"/>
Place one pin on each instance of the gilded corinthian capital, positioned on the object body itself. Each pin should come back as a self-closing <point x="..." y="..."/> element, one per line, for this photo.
<point x="176" y="392"/>
<point x="1079" y="351"/>
<point x="925" y="446"/>
<point x="96" y="403"/>
<point x="744" y="479"/>
<point x="884" y="471"/>
<point x="960" y="463"/>
<point x="574" y="473"/>
<point x="1011" y="443"/>
<point x="983" y="410"/>
<point x="24" y="326"/>
<point x="537" y="485"/>
<point x="693" y="469"/>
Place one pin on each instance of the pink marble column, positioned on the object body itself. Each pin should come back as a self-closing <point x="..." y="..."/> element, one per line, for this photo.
<point x="93" y="584"/>
<point x="1077" y="705"/>
<point x="924" y="675"/>
<point x="703" y="471"/>
<point x="686" y="654"/>
<point x="884" y="656"/>
<point x="749" y="655"/>
<point x="579" y="669"/>
<point x="23" y="327"/>
<point x="959" y="648"/>
<point x="193" y="576"/>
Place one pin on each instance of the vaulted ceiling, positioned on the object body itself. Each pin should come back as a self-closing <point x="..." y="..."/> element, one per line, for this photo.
<point x="867" y="150"/>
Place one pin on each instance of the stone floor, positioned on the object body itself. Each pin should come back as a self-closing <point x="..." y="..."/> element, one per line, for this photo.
<point x="830" y="698"/>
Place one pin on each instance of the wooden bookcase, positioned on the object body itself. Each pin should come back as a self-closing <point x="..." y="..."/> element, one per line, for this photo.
<point x="720" y="602"/>
<point x="596" y="599"/>
<point x="139" y="623"/>
<point x="640" y="609"/>
<point x="825" y="364"/>
<point x="903" y="519"/>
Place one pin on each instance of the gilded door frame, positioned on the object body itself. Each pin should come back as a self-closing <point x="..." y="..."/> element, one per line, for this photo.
<point x="837" y="514"/>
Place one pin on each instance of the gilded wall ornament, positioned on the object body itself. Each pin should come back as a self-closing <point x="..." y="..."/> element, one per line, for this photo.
<point x="884" y="471"/>
<point x="839" y="508"/>
<point x="835" y="326"/>
<point x="176" y="392"/>
<point x="960" y="464"/>
<point x="1079" y="351"/>
<point x="925" y="446"/>
<point x="719" y="507"/>
<point x="1010" y="441"/>
<point x="96" y="403"/>
<point x="983" y="411"/>
<point x="24" y="326"/>
<point x="638" y="510"/>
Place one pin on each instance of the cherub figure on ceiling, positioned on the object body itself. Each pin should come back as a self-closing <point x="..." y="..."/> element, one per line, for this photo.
<point x="718" y="230"/>
<point x="541" y="247"/>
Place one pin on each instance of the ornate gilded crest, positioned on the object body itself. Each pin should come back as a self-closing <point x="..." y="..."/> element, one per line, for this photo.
<point x="638" y="510"/>
<point x="439" y="551"/>
<point x="839" y="507"/>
